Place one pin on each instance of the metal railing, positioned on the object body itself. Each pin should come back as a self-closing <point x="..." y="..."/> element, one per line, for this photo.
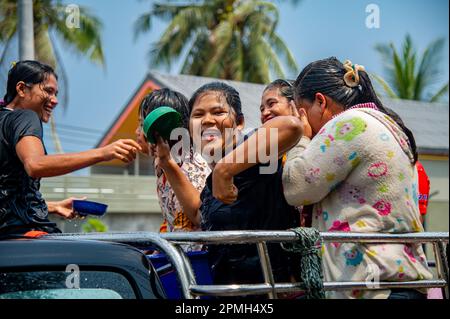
<point x="169" y="244"/>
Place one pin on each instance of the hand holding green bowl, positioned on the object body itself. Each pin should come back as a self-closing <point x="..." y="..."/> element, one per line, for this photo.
<point x="162" y="120"/>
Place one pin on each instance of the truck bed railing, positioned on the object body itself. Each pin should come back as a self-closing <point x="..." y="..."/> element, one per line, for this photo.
<point x="169" y="243"/>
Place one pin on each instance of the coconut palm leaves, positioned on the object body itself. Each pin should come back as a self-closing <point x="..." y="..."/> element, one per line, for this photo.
<point x="50" y="20"/>
<point x="410" y="76"/>
<point x="51" y="15"/>
<point x="232" y="39"/>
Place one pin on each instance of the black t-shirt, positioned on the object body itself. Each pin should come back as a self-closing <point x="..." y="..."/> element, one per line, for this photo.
<point x="260" y="206"/>
<point x="22" y="207"/>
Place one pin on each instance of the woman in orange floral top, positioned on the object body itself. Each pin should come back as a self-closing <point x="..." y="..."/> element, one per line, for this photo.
<point x="179" y="183"/>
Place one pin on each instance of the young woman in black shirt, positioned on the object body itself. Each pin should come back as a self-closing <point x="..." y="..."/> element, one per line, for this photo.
<point x="30" y="99"/>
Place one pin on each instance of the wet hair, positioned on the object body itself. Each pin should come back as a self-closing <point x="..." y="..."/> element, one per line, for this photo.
<point x="30" y="72"/>
<point x="229" y="93"/>
<point x="165" y="97"/>
<point x="285" y="86"/>
<point x="327" y="77"/>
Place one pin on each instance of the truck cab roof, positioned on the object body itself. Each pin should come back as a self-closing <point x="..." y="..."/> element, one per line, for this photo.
<point x="26" y="256"/>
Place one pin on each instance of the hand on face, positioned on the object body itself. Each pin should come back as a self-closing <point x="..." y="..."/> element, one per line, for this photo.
<point x="302" y="115"/>
<point x="161" y="152"/>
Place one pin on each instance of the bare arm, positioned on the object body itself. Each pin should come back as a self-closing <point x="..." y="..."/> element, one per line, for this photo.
<point x="38" y="165"/>
<point x="186" y="193"/>
<point x="289" y="131"/>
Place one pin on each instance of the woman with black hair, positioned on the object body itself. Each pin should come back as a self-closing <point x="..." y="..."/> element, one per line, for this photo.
<point x="356" y="165"/>
<point x="254" y="197"/>
<point x="277" y="100"/>
<point x="31" y="96"/>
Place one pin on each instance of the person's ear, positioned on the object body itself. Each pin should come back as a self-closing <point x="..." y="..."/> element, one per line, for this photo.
<point x="321" y="101"/>
<point x="20" y="88"/>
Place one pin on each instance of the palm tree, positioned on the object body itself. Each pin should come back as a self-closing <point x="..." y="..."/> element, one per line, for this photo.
<point x="50" y="19"/>
<point x="411" y="76"/>
<point x="231" y="39"/>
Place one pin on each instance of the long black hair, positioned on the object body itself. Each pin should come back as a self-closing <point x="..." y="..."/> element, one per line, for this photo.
<point x="229" y="93"/>
<point x="165" y="97"/>
<point x="285" y="86"/>
<point x="327" y="77"/>
<point x="28" y="71"/>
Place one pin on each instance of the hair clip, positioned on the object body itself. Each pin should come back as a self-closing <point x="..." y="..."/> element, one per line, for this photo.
<point x="351" y="77"/>
<point x="13" y="64"/>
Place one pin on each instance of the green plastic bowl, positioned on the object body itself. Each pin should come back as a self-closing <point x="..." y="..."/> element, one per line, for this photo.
<point x="163" y="121"/>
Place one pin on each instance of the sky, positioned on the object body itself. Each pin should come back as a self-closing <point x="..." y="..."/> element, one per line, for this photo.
<point x="313" y="29"/>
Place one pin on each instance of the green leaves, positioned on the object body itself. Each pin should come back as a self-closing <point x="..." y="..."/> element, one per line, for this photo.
<point x="93" y="225"/>
<point x="51" y="15"/>
<point x="232" y="39"/>
<point x="409" y="75"/>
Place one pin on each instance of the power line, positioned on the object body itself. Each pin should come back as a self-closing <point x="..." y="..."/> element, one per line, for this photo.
<point x="79" y="128"/>
<point x="72" y="141"/>
<point x="73" y="131"/>
<point x="63" y="134"/>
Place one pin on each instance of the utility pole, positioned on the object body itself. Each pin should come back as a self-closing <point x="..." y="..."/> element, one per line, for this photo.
<point x="26" y="29"/>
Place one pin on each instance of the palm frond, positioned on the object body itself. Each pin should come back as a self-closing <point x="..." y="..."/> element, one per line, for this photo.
<point x="273" y="61"/>
<point x="195" y="60"/>
<point x="235" y="61"/>
<point x="440" y="93"/>
<point x="176" y="35"/>
<point x="400" y="79"/>
<point x="387" y="89"/>
<point x="229" y="39"/>
<point x="8" y="25"/>
<point x="85" y="40"/>
<point x="167" y="11"/>
<point x="283" y="50"/>
<point x="409" y="74"/>
<point x="142" y="24"/>
<point x="222" y="37"/>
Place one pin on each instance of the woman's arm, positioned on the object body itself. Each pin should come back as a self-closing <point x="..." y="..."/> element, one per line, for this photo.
<point x="314" y="168"/>
<point x="38" y="165"/>
<point x="186" y="193"/>
<point x="280" y="133"/>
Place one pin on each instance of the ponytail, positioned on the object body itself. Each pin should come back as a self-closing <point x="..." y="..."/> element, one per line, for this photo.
<point x="348" y="84"/>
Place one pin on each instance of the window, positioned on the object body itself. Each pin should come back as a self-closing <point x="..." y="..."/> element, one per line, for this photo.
<point x="52" y="285"/>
